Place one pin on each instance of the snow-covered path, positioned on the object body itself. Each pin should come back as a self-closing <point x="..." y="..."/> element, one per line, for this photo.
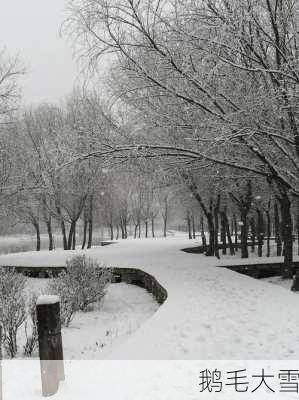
<point x="210" y="313"/>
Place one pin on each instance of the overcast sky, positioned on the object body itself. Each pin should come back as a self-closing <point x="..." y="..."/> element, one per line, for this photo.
<point x="30" y="28"/>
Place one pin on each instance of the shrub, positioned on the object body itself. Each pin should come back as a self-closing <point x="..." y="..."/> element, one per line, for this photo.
<point x="32" y="337"/>
<point x="12" y="308"/>
<point x="82" y="284"/>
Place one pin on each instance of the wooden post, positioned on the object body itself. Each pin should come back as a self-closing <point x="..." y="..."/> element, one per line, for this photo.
<point x="50" y="343"/>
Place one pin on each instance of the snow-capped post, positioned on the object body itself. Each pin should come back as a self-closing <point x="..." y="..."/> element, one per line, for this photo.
<point x="50" y="343"/>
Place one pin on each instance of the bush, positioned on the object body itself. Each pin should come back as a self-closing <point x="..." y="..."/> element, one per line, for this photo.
<point x="12" y="308"/>
<point x="82" y="284"/>
<point x="32" y="337"/>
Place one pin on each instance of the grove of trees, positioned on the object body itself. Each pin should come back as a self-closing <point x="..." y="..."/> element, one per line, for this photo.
<point x="198" y="115"/>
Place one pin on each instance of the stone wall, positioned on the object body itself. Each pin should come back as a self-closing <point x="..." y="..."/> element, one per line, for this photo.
<point x="129" y="275"/>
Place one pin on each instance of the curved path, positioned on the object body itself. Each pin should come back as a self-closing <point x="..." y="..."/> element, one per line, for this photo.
<point x="210" y="313"/>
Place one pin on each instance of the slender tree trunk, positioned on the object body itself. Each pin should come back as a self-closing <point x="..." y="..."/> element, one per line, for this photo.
<point x="122" y="230"/>
<point x="165" y="226"/>
<point x="223" y="232"/>
<point x="85" y="225"/>
<point x="124" y="227"/>
<point x="236" y="231"/>
<point x="74" y="237"/>
<point x="277" y="225"/>
<point x="260" y="232"/>
<point x="287" y="229"/>
<point x="37" y="230"/>
<point x="111" y="232"/>
<point x="193" y="227"/>
<point x="244" y="235"/>
<point x="139" y="229"/>
<point x="146" y="228"/>
<point x="153" y="226"/>
<point x="211" y="246"/>
<point x="252" y="234"/>
<point x="90" y="233"/>
<point x="117" y="232"/>
<point x="268" y="218"/>
<point x="90" y="222"/>
<point x="135" y="231"/>
<point x="203" y="236"/>
<point x="50" y="234"/>
<point x="229" y="237"/>
<point x="63" y="232"/>
<point x="189" y="225"/>
<point x="70" y="238"/>
<point x="216" y="225"/>
<point x="63" y="229"/>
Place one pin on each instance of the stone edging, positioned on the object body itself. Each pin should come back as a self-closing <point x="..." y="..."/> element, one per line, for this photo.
<point x="132" y="276"/>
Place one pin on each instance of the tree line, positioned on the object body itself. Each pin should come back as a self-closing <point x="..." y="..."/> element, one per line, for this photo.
<point x="201" y="98"/>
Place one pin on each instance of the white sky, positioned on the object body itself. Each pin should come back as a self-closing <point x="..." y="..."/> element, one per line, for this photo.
<point x="30" y="28"/>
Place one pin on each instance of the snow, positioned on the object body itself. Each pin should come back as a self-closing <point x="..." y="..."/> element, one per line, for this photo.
<point x="278" y="280"/>
<point x="44" y="299"/>
<point x="94" y="334"/>
<point x="142" y="380"/>
<point x="210" y="313"/>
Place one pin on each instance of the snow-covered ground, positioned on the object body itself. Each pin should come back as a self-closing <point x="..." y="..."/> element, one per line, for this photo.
<point x="148" y="380"/>
<point x="210" y="313"/>
<point x="93" y="334"/>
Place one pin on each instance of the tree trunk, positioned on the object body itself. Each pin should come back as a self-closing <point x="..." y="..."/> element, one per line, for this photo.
<point x="287" y="233"/>
<point x="236" y="231"/>
<point x="146" y="228"/>
<point x="193" y="227"/>
<point x="189" y="225"/>
<point x="229" y="237"/>
<point x="153" y="227"/>
<point x="165" y="226"/>
<point x="252" y="234"/>
<point x="203" y="236"/>
<point x="70" y="238"/>
<point x="90" y="222"/>
<point x="117" y="232"/>
<point x="268" y="218"/>
<point x="211" y="246"/>
<point x="223" y="232"/>
<point x="74" y="238"/>
<point x="277" y="225"/>
<point x="244" y="234"/>
<point x="90" y="232"/>
<point x="111" y="232"/>
<point x="135" y="231"/>
<point x="63" y="230"/>
<point x="85" y="224"/>
<point x="260" y="232"/>
<point x="37" y="230"/>
<point x="64" y="238"/>
<point x="50" y="234"/>
<point x="216" y="226"/>
<point x="122" y="230"/>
